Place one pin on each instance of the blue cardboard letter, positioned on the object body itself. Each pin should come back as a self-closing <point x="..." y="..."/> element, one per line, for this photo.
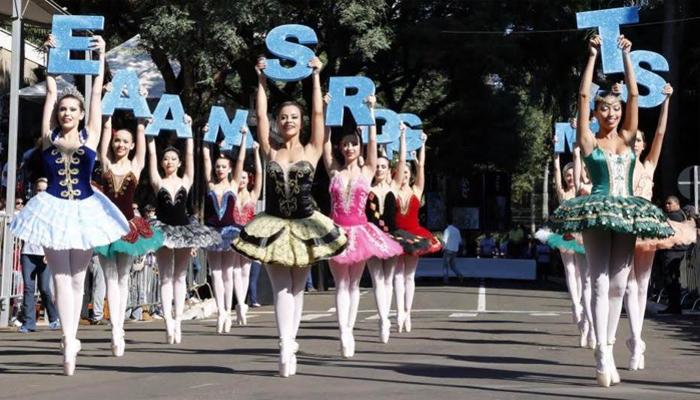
<point x="648" y="79"/>
<point x="390" y="129"/>
<point x="278" y="45"/>
<point x="125" y="79"/>
<point x="218" y="119"/>
<point x="338" y="87"/>
<point x="566" y="135"/>
<point x="608" y="23"/>
<point x="62" y="29"/>
<point x="169" y="103"/>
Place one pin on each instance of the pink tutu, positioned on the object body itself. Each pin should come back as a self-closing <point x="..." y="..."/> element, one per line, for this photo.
<point x="685" y="234"/>
<point x="365" y="240"/>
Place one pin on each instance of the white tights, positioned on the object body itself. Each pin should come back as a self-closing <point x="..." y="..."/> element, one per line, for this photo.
<point x="610" y="255"/>
<point x="405" y="283"/>
<point x="586" y="287"/>
<point x="116" y="271"/>
<point x="241" y="277"/>
<point x="68" y="268"/>
<point x="172" y="267"/>
<point x="636" y="293"/>
<point x="573" y="282"/>
<point x="221" y="263"/>
<point x="382" y="272"/>
<point x="347" y="293"/>
<point x="288" y="287"/>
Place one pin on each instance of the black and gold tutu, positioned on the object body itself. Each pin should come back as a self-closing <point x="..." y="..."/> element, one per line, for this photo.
<point x="290" y="232"/>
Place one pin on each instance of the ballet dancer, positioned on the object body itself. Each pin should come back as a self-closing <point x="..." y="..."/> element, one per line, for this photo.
<point x="69" y="219"/>
<point x="290" y="235"/>
<point x="638" y="282"/>
<point x="407" y="204"/>
<point x="120" y="179"/>
<point x="611" y="218"/>
<point x="349" y="188"/>
<point x="182" y="235"/>
<point x="219" y="214"/>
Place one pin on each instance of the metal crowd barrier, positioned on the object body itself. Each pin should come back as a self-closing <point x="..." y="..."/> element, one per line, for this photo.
<point x="690" y="274"/>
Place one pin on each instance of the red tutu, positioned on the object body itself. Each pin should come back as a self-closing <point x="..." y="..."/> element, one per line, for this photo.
<point x="407" y="220"/>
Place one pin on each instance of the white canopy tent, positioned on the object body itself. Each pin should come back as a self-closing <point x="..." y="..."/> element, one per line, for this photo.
<point x="128" y="55"/>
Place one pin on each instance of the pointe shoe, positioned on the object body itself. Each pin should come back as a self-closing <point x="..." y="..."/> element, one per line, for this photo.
<point x="71" y="347"/>
<point x="177" y="334"/>
<point x="602" y="373"/>
<point x="345" y="344"/>
<point x="286" y="352"/>
<point x="220" y="321"/>
<point x="241" y="317"/>
<point x="169" y="331"/>
<point x="637" y="347"/>
<point x="583" y="329"/>
<point x="293" y="359"/>
<point x="352" y="344"/>
<point x="592" y="342"/>
<point x="614" y="375"/>
<point x="384" y="330"/>
<point x="400" y="321"/>
<point x="118" y="343"/>
<point x="407" y="323"/>
<point x="227" y="323"/>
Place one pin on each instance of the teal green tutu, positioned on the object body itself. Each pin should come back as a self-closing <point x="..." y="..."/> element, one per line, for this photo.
<point x="141" y="239"/>
<point x="633" y="215"/>
<point x="567" y="245"/>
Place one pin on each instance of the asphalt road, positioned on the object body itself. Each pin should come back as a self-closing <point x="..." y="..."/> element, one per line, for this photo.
<point x="506" y="340"/>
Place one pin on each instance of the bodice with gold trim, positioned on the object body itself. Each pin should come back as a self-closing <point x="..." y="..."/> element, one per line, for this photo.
<point x="69" y="175"/>
<point x="289" y="190"/>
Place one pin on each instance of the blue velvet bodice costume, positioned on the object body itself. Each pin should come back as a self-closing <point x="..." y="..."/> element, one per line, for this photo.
<point x="69" y="175"/>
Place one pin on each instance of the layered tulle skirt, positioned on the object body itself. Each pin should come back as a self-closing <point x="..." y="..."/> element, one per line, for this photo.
<point x="364" y="242"/>
<point x="685" y="233"/>
<point x="567" y="243"/>
<point x="410" y="243"/>
<point x="192" y="235"/>
<point x="420" y="233"/>
<point x="632" y="215"/>
<point x="290" y="242"/>
<point x="228" y="233"/>
<point x="62" y="224"/>
<point x="141" y="239"/>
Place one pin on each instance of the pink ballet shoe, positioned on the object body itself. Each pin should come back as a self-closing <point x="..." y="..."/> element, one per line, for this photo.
<point x="177" y="334"/>
<point x="637" y="347"/>
<point x="293" y="359"/>
<point x="614" y="375"/>
<point x="169" y="331"/>
<point x="400" y="320"/>
<point x="286" y="352"/>
<point x="583" y="328"/>
<point x="407" y="323"/>
<point x="602" y="372"/>
<point x="118" y="343"/>
<point x="71" y="347"/>
<point x="227" y="323"/>
<point x="220" y="322"/>
<point x="384" y="330"/>
<point x="241" y="314"/>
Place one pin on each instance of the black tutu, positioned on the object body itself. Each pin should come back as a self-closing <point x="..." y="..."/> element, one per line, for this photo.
<point x="193" y="235"/>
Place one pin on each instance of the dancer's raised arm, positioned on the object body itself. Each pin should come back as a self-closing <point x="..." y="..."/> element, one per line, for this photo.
<point x="206" y="156"/>
<point x="94" y="123"/>
<point x="261" y="110"/>
<point x="257" y="186"/>
<point x="318" y="125"/>
<point x="401" y="165"/>
<point x="189" y="157"/>
<point x="139" y="161"/>
<point x="106" y="139"/>
<point x="329" y="161"/>
<point x="153" y="164"/>
<point x="657" y="144"/>
<point x="629" y="128"/>
<point x="371" y="154"/>
<point x="49" y="120"/>
<point x="419" y="184"/>
<point x="240" y="161"/>
<point x="584" y="136"/>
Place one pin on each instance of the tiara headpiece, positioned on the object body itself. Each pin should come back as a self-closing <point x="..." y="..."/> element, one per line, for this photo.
<point x="71" y="91"/>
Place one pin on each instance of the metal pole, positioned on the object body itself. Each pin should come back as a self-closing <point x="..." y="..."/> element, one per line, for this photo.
<point x="696" y="189"/>
<point x="15" y="79"/>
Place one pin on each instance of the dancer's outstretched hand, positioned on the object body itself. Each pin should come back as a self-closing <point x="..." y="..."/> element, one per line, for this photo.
<point x="624" y="44"/>
<point x="667" y="90"/>
<point x="594" y="45"/>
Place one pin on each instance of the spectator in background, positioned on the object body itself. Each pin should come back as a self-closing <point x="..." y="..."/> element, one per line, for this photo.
<point x="516" y="241"/>
<point x="671" y="261"/>
<point x="253" y="287"/>
<point x="451" y="240"/>
<point x="99" y="290"/>
<point x="542" y="257"/>
<point x="504" y="247"/>
<point x="487" y="246"/>
<point x="34" y="268"/>
<point x="149" y="212"/>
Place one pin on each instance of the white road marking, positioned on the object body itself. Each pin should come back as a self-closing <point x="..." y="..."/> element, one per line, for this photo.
<point x="481" y="306"/>
<point x="463" y="315"/>
<point x="311" y="317"/>
<point x="428" y="310"/>
<point x="332" y="309"/>
<point x="372" y="318"/>
<point x="201" y="386"/>
<point x="544" y="314"/>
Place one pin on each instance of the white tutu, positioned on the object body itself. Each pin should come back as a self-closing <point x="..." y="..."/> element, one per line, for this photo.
<point x="62" y="224"/>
